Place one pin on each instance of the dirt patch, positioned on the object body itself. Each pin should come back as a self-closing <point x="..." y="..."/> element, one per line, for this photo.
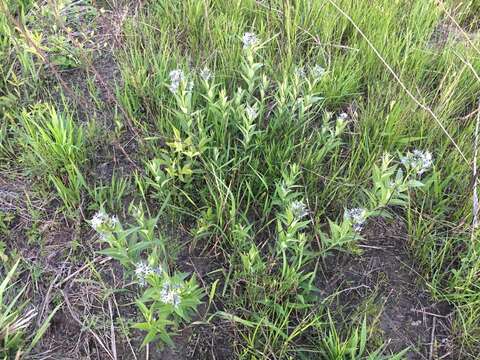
<point x="384" y="283"/>
<point x="100" y="67"/>
<point x="200" y="342"/>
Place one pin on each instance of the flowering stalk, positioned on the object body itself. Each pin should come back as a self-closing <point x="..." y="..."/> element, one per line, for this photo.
<point x="181" y="87"/>
<point x="167" y="299"/>
<point x="290" y="223"/>
<point x="249" y="66"/>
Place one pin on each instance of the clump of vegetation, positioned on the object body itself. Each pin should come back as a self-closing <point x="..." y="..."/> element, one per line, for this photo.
<point x="17" y="317"/>
<point x="239" y="180"/>
<point x="168" y="297"/>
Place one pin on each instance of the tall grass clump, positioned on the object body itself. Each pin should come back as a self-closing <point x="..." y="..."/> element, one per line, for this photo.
<point x="54" y="150"/>
<point x="16" y="316"/>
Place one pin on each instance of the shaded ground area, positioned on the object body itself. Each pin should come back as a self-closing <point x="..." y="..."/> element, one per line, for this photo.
<point x="98" y="300"/>
<point x="203" y="339"/>
<point x="383" y="283"/>
<point x="202" y="342"/>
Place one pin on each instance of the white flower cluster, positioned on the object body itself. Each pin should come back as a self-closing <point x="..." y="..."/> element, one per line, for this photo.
<point x="142" y="270"/>
<point x="300" y="72"/>
<point x="249" y="39"/>
<point x="357" y="216"/>
<point x="170" y="294"/>
<point x="299" y="209"/>
<point x="317" y="71"/>
<point x="418" y="160"/>
<point x="177" y="78"/>
<point x="205" y="74"/>
<point x="102" y="222"/>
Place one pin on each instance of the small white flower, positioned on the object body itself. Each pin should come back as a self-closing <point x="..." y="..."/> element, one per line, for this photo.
<point x="343" y="116"/>
<point x="97" y="220"/>
<point x="318" y="71"/>
<point x="357" y="216"/>
<point x="249" y="39"/>
<point x="176" y="299"/>
<point x="419" y="161"/>
<point x="300" y="72"/>
<point x="176" y="78"/>
<point x="251" y="112"/>
<point x="142" y="270"/>
<point x="170" y="294"/>
<point x="299" y="209"/>
<point x="205" y="74"/>
<point x="158" y="271"/>
<point x="103" y="223"/>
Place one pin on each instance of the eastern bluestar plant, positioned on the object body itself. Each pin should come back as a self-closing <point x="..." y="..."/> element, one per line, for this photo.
<point x="168" y="298"/>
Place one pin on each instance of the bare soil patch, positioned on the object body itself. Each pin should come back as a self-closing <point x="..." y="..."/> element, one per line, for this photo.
<point x="385" y="276"/>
